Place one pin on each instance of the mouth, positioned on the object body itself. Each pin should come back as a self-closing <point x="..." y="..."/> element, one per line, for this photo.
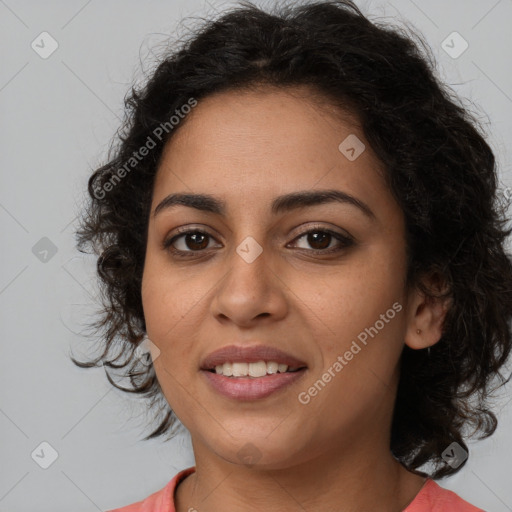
<point x="247" y="388"/>
<point x="255" y="370"/>
<point x="250" y="373"/>
<point x="255" y="360"/>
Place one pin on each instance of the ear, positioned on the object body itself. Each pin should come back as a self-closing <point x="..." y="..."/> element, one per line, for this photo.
<point x="425" y="315"/>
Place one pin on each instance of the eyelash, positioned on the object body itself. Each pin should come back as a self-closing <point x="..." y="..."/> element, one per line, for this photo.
<point x="345" y="241"/>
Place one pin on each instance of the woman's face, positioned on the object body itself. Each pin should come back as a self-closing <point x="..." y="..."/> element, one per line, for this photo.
<point x="254" y="277"/>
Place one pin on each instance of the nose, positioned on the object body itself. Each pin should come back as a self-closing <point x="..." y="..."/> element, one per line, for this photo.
<point x="250" y="292"/>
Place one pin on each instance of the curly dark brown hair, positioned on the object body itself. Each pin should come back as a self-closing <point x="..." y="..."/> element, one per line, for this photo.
<point x="438" y="166"/>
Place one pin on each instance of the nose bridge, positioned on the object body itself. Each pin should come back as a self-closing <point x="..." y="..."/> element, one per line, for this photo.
<point x="250" y="287"/>
<point x="248" y="264"/>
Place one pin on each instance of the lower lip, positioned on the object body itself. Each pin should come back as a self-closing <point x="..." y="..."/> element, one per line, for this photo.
<point x="247" y="388"/>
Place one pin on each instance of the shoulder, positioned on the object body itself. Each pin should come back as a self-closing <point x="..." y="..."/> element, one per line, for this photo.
<point x="434" y="498"/>
<point x="159" y="501"/>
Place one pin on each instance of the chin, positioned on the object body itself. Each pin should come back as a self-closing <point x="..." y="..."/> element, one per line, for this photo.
<point x="259" y="451"/>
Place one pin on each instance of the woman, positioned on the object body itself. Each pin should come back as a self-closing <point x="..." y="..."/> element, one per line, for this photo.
<point x="302" y="225"/>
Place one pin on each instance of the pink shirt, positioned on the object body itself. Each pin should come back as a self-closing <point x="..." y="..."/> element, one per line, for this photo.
<point x="430" y="498"/>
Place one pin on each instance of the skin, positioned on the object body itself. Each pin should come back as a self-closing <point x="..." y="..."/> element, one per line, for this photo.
<point x="246" y="148"/>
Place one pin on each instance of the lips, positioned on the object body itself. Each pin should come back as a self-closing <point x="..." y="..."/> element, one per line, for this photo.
<point x="249" y="389"/>
<point x="243" y="354"/>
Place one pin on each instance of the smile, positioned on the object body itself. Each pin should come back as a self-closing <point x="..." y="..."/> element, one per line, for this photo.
<point x="247" y="387"/>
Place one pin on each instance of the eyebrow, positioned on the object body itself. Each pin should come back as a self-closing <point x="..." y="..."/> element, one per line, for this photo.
<point x="281" y="204"/>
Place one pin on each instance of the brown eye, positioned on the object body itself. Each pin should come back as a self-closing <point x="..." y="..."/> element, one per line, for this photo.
<point x="320" y="240"/>
<point x="196" y="240"/>
<point x="189" y="241"/>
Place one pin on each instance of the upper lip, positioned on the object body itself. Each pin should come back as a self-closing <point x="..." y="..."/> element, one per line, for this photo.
<point x="252" y="354"/>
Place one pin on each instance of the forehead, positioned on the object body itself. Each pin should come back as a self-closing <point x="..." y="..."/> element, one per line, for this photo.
<point x="247" y="145"/>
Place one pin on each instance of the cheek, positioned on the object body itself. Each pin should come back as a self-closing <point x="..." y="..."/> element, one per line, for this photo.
<point x="168" y="304"/>
<point x="167" y="293"/>
<point x="362" y="308"/>
<point x="175" y="304"/>
<point x="354" y="296"/>
<point x="369" y="339"/>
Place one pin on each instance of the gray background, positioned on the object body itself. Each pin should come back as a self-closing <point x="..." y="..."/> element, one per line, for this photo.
<point x="57" y="118"/>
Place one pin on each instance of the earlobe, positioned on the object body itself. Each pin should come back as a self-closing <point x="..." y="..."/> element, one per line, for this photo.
<point x="426" y="317"/>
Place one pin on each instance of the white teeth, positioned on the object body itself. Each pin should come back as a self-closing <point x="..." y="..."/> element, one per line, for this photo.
<point x="227" y="369"/>
<point x="272" y="367"/>
<point x="240" y="369"/>
<point x="258" y="369"/>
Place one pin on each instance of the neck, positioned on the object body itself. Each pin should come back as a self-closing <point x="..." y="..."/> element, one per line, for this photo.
<point x="347" y="481"/>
